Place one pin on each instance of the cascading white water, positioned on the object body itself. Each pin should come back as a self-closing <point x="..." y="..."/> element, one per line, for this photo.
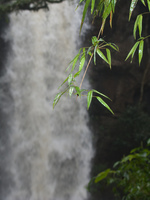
<point x="49" y="150"/>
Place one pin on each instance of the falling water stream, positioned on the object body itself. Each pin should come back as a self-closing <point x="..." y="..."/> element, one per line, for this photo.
<point x="46" y="153"/>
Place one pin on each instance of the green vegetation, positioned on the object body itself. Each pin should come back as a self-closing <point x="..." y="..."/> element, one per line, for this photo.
<point x="131" y="175"/>
<point x="99" y="47"/>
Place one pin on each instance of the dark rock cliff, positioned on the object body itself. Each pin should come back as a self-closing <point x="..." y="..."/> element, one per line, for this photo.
<point x="128" y="86"/>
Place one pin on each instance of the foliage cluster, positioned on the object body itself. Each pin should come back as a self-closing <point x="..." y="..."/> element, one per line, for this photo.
<point x="131" y="179"/>
<point x="117" y="140"/>
<point x="104" y="9"/>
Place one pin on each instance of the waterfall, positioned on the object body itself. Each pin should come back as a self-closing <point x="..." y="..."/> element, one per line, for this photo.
<point x="47" y="153"/>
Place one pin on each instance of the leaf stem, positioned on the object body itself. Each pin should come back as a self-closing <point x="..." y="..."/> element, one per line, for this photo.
<point x="86" y="70"/>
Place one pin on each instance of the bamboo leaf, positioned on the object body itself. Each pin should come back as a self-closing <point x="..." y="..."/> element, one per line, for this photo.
<point x="89" y="98"/>
<point x="101" y="94"/>
<point x="84" y="12"/>
<point x="143" y="2"/>
<point x="104" y="104"/>
<point x="132" y="6"/>
<point x="101" y="55"/>
<point x="74" y="61"/>
<point x="82" y="60"/>
<point x="140" y="24"/>
<point x="63" y="82"/>
<point x="132" y="51"/>
<point x="94" y="40"/>
<point x="92" y="6"/>
<point x="95" y="49"/>
<point x="141" y="46"/>
<point x="135" y="26"/>
<point x="102" y="175"/>
<point x="71" y="90"/>
<point x="108" y="57"/>
<point x="113" y="3"/>
<point x="77" y="74"/>
<point x="107" y="10"/>
<point x="70" y="78"/>
<point x="148" y="3"/>
<point x="57" y="97"/>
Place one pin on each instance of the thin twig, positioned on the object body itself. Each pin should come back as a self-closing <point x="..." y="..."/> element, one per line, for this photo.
<point x="86" y="70"/>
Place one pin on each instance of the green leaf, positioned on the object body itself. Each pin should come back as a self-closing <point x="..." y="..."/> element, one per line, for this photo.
<point x="102" y="175"/>
<point x="113" y="3"/>
<point x="140" y="24"/>
<point x="104" y="104"/>
<point x="107" y="10"/>
<point x="108" y="57"/>
<point x="92" y="6"/>
<point x="94" y="40"/>
<point x="89" y="98"/>
<point x="70" y="78"/>
<point x="101" y="94"/>
<point x="84" y="12"/>
<point x="113" y="46"/>
<point x="132" y="51"/>
<point x="74" y="61"/>
<point x="57" y="97"/>
<point x="135" y="26"/>
<point x="71" y="90"/>
<point x="132" y="6"/>
<point x="101" y="55"/>
<point x="95" y="49"/>
<point x="77" y="74"/>
<point x="143" y="2"/>
<point x="89" y="50"/>
<point x="148" y="142"/>
<point x="141" y="46"/>
<point x="63" y="82"/>
<point x="148" y="3"/>
<point x="82" y="60"/>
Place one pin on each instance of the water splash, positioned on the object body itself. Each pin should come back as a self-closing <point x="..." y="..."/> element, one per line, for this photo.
<point x="49" y="150"/>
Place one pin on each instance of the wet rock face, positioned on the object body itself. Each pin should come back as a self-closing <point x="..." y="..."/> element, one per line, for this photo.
<point x="123" y="82"/>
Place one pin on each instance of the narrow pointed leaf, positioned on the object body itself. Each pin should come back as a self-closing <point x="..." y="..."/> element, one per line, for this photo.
<point x="104" y="104"/>
<point x="132" y="51"/>
<point x="94" y="40"/>
<point x="113" y="3"/>
<point x="57" y="97"/>
<point x="107" y="11"/>
<point x="84" y="13"/>
<point x="101" y="55"/>
<point x="108" y="57"/>
<point x="132" y="6"/>
<point x="113" y="46"/>
<point x="141" y="46"/>
<point x="101" y="94"/>
<point x="140" y="24"/>
<point x="92" y="6"/>
<point x="82" y="60"/>
<point x="148" y="3"/>
<point x="63" y="82"/>
<point x="95" y="49"/>
<point x="135" y="26"/>
<point x="70" y="78"/>
<point x="74" y="60"/>
<point x="102" y="175"/>
<point x="71" y="89"/>
<point x="89" y="98"/>
<point x="77" y="74"/>
<point x="143" y="2"/>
